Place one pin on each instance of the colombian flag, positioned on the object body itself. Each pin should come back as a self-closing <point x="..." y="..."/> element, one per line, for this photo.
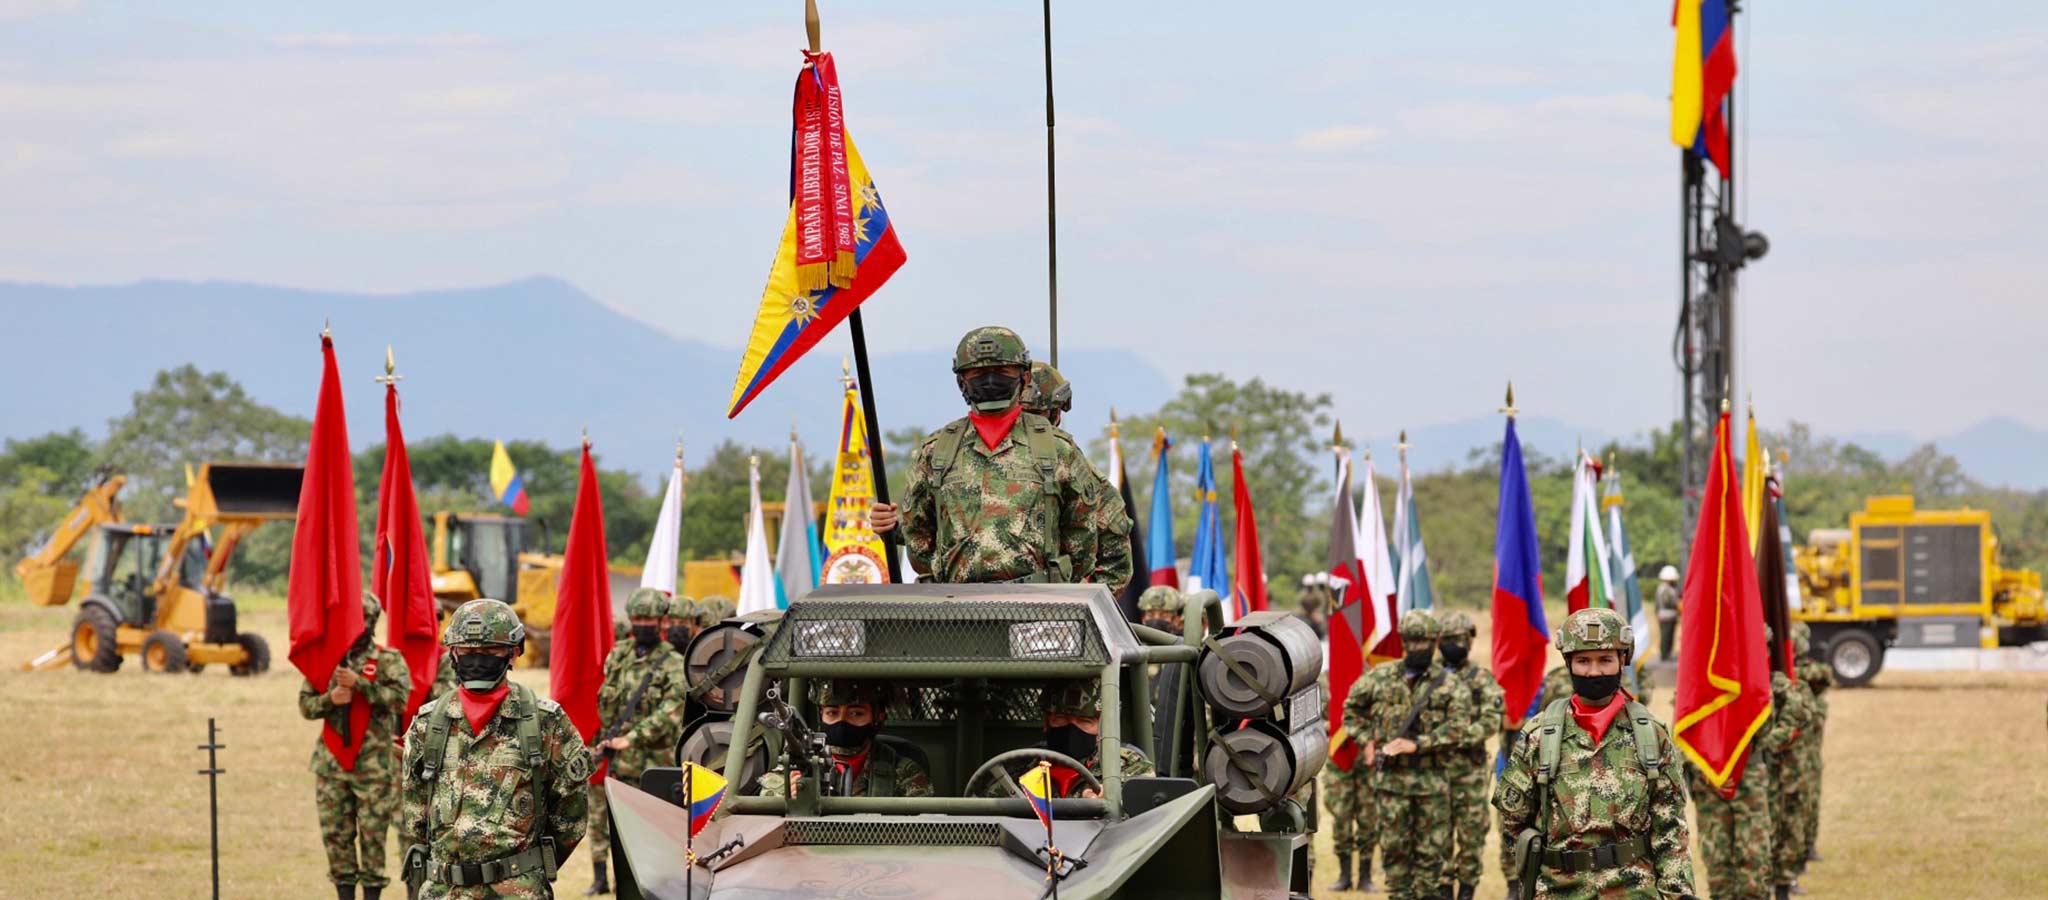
<point x="799" y="306"/>
<point x="705" y="789"/>
<point x="1702" y="72"/>
<point x="1037" y="785"/>
<point x="505" y="482"/>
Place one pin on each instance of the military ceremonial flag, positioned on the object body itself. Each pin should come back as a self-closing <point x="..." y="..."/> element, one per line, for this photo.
<point x="399" y="574"/>
<point x="1521" y="635"/>
<point x="1628" y="589"/>
<point x="506" y="485"/>
<point x="1702" y="73"/>
<point x="324" y="592"/>
<point x="1208" y="568"/>
<point x="581" y="633"/>
<point x="1350" y="599"/>
<point x="1159" y="556"/>
<point x="1794" y="598"/>
<point x="1724" y="677"/>
<point x="853" y="553"/>
<point x="1772" y="568"/>
<point x="1248" y="593"/>
<point x="1121" y="481"/>
<point x="1411" y="583"/>
<point x="663" y="549"/>
<point x="1754" y="470"/>
<point x="757" y="574"/>
<point x="796" y="553"/>
<point x="838" y="242"/>
<point x="1385" y="639"/>
<point x="1586" y="579"/>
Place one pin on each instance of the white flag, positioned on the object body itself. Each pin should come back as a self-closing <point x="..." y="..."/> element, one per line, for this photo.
<point x="797" y="551"/>
<point x="1379" y="569"/>
<point x="757" y="574"/>
<point x="660" y="571"/>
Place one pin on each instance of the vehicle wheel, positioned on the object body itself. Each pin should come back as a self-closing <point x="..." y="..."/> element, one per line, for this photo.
<point x="163" y="651"/>
<point x="1856" y="656"/>
<point x="258" y="655"/>
<point x="93" y="645"/>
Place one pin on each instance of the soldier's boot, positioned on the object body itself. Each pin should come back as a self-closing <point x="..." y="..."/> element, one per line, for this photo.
<point x="600" y="883"/>
<point x="373" y="893"/>
<point x="345" y="892"/>
<point x="1781" y="891"/>
<point x="1343" y="882"/>
<point x="1365" y="874"/>
<point x="1465" y="891"/>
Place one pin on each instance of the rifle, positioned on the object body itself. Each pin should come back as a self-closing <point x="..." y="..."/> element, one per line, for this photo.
<point x="802" y="742"/>
<point x="612" y="729"/>
<point x="1379" y="760"/>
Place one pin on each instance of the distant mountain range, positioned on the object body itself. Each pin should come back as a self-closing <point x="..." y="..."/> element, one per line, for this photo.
<point x="539" y="359"/>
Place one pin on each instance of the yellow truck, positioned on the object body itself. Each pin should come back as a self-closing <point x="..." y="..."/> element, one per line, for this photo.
<point x="1912" y="578"/>
<point x="486" y="556"/>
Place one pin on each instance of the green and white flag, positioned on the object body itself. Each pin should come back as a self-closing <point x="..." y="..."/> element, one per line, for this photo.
<point x="1410" y="559"/>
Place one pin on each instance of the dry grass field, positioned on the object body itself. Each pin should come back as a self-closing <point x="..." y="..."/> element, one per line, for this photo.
<point x="1937" y="785"/>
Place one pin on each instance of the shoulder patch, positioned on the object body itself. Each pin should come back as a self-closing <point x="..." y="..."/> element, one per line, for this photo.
<point x="547" y="704"/>
<point x="577" y="765"/>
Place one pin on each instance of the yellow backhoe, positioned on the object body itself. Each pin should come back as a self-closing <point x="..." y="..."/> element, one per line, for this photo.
<point x="158" y="591"/>
<point x="486" y="556"/>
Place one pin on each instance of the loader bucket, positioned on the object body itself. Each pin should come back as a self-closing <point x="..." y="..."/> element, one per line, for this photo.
<point x="247" y="490"/>
<point x="52" y="586"/>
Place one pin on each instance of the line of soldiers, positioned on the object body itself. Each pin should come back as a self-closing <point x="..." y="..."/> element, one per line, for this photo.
<point x="1580" y="815"/>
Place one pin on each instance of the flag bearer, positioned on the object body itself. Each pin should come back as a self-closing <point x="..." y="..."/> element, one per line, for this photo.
<point x="358" y="799"/>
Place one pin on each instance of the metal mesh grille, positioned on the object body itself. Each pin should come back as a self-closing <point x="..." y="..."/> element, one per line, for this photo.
<point x="800" y="832"/>
<point x="939" y="631"/>
<point x="946" y="701"/>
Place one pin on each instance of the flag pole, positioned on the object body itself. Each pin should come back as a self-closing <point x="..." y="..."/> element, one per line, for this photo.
<point x="860" y="362"/>
<point x="1052" y="231"/>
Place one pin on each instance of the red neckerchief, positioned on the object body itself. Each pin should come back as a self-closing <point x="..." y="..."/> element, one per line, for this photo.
<point x="854" y="765"/>
<point x="479" y="708"/>
<point x="994" y="428"/>
<point x="1596" y="721"/>
<point x="1064" y="778"/>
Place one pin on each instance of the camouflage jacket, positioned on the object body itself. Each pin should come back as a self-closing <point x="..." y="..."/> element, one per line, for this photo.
<point x="386" y="696"/>
<point x="905" y="777"/>
<point x="1792" y="711"/>
<point x="1601" y="795"/>
<point x="985" y="523"/>
<point x="1557" y="685"/>
<point x="1819" y="677"/>
<point x="1379" y="703"/>
<point x="656" y="724"/>
<point x="444" y="677"/>
<point x="1488" y="704"/>
<point x="484" y="803"/>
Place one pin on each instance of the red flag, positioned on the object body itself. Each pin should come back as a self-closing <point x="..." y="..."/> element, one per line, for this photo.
<point x="1724" y="677"/>
<point x="1249" y="593"/>
<point x="1349" y="614"/>
<point x="582" y="629"/>
<point x="398" y="567"/>
<point x="324" y="595"/>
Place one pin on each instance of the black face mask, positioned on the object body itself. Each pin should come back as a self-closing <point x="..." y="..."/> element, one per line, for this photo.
<point x="679" y="637"/>
<point x="364" y="640"/>
<point x="1595" y="688"/>
<point x="848" y="737"/>
<point x="645" y="637"/>
<point x="1455" y="655"/>
<point x="481" y="671"/>
<point x="1070" y="740"/>
<point x="1418" y="659"/>
<point x="1165" y="625"/>
<point x="990" y="392"/>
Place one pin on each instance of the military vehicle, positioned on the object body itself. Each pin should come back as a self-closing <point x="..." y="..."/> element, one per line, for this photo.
<point x="1230" y="814"/>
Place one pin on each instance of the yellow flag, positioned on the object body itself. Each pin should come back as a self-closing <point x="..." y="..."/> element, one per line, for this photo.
<point x="1753" y="470"/>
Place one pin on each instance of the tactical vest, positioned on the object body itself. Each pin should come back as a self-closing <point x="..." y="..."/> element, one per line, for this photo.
<point x="522" y="708"/>
<point x="1038" y="438"/>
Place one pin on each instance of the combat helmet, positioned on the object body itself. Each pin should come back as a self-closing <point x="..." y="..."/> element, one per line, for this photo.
<point x="647" y="603"/>
<point x="841" y="691"/>
<point x="1050" y="392"/>
<point x="485" y="623"/>
<point x="371" y="610"/>
<point x="1420" y="625"/>
<point x="1595" y="628"/>
<point x="713" y="610"/>
<point x="1160" y="597"/>
<point x="1802" y="637"/>
<point x="990" y="345"/>
<point x="1457" y="624"/>
<point x="1073" y="698"/>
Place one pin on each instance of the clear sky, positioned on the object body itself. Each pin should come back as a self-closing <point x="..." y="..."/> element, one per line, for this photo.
<point x="1403" y="204"/>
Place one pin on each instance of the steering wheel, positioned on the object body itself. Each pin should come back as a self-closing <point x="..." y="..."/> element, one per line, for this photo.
<point x="1000" y="763"/>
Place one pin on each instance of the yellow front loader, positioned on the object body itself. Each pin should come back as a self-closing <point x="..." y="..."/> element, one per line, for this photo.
<point x="158" y="591"/>
<point x="485" y="556"/>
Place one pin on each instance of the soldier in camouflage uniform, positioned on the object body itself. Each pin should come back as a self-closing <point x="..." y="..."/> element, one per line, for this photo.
<point x="1793" y="701"/>
<point x="1735" y="826"/>
<point x="1606" y="816"/>
<point x="851" y="713"/>
<point x="494" y="774"/>
<point x="1002" y="495"/>
<point x="1412" y="787"/>
<point x="639" y="713"/>
<point x="357" y="803"/>
<point x="1051" y="395"/>
<point x="444" y="677"/>
<point x="1072" y="711"/>
<point x="713" y="610"/>
<point x="1469" y="766"/>
<point x="1819" y="677"/>
<point x="1347" y="795"/>
<point x="680" y="626"/>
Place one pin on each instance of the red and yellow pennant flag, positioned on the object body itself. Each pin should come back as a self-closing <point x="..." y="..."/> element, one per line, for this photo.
<point x="1724" y="677"/>
<point x="838" y="244"/>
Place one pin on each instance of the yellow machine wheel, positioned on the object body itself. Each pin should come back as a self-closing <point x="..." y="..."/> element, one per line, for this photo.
<point x="256" y="659"/>
<point x="94" y="647"/>
<point x="163" y="651"/>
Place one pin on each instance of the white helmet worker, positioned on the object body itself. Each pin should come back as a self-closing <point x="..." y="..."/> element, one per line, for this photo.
<point x="1668" y="573"/>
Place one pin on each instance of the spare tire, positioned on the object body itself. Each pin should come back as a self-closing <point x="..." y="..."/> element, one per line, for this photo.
<point x="95" y="644"/>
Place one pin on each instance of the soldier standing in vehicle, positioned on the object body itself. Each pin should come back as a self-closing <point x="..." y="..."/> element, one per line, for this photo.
<point x="1819" y="678"/>
<point x="1410" y="715"/>
<point x="494" y="775"/>
<point x="1591" y="797"/>
<point x="639" y="713"/>
<point x="1001" y="495"/>
<point x="852" y="714"/>
<point x="357" y="802"/>
<point x="1469" y="765"/>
